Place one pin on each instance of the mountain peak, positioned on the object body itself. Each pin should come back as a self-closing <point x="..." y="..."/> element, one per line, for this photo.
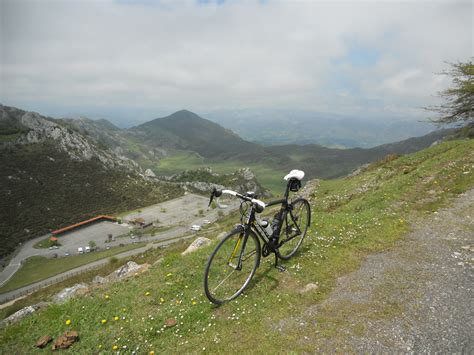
<point x="183" y="114"/>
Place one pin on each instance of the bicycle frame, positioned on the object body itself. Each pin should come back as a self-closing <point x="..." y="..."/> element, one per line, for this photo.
<point x="250" y="225"/>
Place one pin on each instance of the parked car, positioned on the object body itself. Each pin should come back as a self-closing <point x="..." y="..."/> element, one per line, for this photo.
<point x="206" y="221"/>
<point x="67" y="253"/>
<point x="195" y="227"/>
<point x="80" y="250"/>
<point x="88" y="249"/>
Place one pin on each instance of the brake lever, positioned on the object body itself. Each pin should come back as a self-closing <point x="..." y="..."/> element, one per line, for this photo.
<point x="210" y="200"/>
<point x="215" y="193"/>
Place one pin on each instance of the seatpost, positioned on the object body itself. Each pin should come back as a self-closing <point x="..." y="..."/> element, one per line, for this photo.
<point x="287" y="191"/>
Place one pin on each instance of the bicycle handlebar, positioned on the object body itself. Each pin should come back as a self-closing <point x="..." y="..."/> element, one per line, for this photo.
<point x="259" y="205"/>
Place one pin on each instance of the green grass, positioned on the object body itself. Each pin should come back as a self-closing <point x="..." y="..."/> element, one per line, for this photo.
<point x="268" y="176"/>
<point x="44" y="244"/>
<point x="38" y="268"/>
<point x="10" y="137"/>
<point x="351" y="218"/>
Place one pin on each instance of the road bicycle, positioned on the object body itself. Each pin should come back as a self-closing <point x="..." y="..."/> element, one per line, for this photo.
<point x="235" y="259"/>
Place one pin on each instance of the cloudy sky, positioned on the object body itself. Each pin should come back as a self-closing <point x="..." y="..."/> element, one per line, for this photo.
<point x="135" y="60"/>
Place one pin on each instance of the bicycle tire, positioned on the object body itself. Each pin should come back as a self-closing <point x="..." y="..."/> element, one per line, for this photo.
<point x="219" y="263"/>
<point x="303" y="215"/>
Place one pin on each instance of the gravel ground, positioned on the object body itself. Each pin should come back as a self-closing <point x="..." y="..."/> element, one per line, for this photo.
<point x="416" y="298"/>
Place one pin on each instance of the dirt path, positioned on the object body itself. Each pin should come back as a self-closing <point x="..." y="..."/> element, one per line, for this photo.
<point x="417" y="297"/>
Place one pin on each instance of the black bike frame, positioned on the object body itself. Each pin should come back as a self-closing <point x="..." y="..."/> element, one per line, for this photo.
<point x="258" y="230"/>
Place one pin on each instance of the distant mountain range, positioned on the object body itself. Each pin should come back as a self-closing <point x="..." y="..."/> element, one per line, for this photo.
<point x="278" y="127"/>
<point x="185" y="131"/>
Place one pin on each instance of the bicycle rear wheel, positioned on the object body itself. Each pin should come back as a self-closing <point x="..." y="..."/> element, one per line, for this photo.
<point x="224" y="280"/>
<point x="294" y="228"/>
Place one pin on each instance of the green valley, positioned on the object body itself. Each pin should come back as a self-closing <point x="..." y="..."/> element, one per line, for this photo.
<point x="352" y="217"/>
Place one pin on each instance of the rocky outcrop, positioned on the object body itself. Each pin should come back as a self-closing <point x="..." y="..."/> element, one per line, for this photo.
<point x="39" y="129"/>
<point x="245" y="180"/>
<point x="149" y="173"/>
<point x="197" y="244"/>
<point x="65" y="340"/>
<point x="204" y="180"/>
<point x="129" y="269"/>
<point x="22" y="313"/>
<point x="43" y="341"/>
<point x="309" y="188"/>
<point x="69" y="292"/>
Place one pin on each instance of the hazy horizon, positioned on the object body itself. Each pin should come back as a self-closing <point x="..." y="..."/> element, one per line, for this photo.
<point x="133" y="61"/>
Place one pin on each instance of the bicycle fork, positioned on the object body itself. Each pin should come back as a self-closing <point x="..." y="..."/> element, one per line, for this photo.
<point x="244" y="236"/>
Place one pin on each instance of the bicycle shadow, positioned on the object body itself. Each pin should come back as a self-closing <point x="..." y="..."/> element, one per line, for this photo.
<point x="265" y="273"/>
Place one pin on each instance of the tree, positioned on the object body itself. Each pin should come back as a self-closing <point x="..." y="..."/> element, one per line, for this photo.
<point x="92" y="244"/>
<point x="459" y="99"/>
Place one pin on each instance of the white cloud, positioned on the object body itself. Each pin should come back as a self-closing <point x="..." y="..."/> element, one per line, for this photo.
<point x="168" y="55"/>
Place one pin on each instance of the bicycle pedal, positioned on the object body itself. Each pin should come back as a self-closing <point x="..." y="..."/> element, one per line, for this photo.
<point x="280" y="268"/>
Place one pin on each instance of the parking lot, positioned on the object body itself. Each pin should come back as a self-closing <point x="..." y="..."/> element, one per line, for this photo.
<point x="97" y="232"/>
<point x="175" y="216"/>
<point x="172" y="212"/>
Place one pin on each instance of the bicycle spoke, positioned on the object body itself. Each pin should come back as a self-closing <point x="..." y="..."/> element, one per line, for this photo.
<point x="231" y="266"/>
<point x="295" y="228"/>
<point x="224" y="280"/>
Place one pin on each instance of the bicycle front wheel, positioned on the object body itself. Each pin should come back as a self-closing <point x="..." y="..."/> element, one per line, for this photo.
<point x="231" y="266"/>
<point x="294" y="228"/>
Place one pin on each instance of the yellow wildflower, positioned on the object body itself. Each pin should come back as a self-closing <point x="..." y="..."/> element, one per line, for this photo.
<point x="116" y="318"/>
<point x="115" y="347"/>
<point x="147" y="293"/>
<point x="68" y="322"/>
<point x="106" y="297"/>
<point x="103" y="321"/>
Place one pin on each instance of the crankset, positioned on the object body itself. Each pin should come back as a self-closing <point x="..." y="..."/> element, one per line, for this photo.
<point x="270" y="247"/>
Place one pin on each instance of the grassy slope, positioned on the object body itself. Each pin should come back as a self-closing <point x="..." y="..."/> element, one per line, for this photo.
<point x="38" y="268"/>
<point x="351" y="218"/>
<point x="43" y="189"/>
<point x="268" y="176"/>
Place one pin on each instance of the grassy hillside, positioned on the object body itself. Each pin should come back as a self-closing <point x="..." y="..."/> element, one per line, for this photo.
<point x="185" y="130"/>
<point x="43" y="189"/>
<point x="328" y="163"/>
<point x="352" y="218"/>
<point x="184" y="141"/>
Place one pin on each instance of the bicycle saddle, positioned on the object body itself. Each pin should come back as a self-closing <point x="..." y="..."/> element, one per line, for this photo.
<point x="296" y="174"/>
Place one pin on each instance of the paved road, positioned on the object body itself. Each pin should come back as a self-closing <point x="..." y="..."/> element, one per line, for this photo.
<point x="7" y="296"/>
<point x="178" y="214"/>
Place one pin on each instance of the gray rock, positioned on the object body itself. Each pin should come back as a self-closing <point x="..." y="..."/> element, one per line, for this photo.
<point x="309" y="287"/>
<point x="159" y="261"/>
<point x="69" y="292"/>
<point x="221" y="235"/>
<point x="41" y="129"/>
<point x="149" y="173"/>
<point x="22" y="313"/>
<point x="126" y="270"/>
<point x="197" y="244"/>
<point x="99" y="280"/>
